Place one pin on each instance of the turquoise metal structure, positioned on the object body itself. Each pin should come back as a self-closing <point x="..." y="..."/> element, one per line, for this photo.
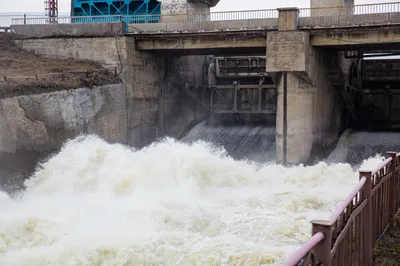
<point x="130" y="11"/>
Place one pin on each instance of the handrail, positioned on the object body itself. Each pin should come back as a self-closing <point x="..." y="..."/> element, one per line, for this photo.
<point x="381" y="165"/>
<point x="305" y="249"/>
<point x="223" y="15"/>
<point x="339" y="210"/>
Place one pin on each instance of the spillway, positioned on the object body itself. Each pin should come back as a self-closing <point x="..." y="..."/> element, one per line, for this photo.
<point x="171" y="203"/>
<point x="251" y="142"/>
<point x="354" y="146"/>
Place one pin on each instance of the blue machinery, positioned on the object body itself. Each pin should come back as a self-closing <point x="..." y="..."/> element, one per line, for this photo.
<point x="129" y="11"/>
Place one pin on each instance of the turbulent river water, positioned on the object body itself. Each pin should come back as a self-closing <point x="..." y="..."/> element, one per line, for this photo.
<point x="168" y="204"/>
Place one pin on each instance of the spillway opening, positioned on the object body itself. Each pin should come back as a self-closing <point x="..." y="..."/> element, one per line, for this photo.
<point x="371" y="97"/>
<point x="243" y="137"/>
<point x="241" y="101"/>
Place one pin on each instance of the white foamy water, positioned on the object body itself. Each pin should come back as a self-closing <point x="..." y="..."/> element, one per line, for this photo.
<point x="168" y="204"/>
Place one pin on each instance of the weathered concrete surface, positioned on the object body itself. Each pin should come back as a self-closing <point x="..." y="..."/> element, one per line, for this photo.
<point x="154" y="82"/>
<point x="36" y="125"/>
<point x="178" y="109"/>
<point x="320" y="7"/>
<point x="69" y="30"/>
<point x="204" y="26"/>
<point x="313" y="104"/>
<point x="157" y="102"/>
<point x="108" y="51"/>
<point x="44" y="121"/>
<point x="198" y="43"/>
<point x="288" y="52"/>
<point x="354" y="21"/>
<point x="380" y="36"/>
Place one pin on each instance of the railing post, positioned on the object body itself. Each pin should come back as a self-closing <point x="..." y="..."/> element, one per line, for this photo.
<point x="24" y="19"/>
<point x="323" y="249"/>
<point x="392" y="185"/>
<point x="368" y="239"/>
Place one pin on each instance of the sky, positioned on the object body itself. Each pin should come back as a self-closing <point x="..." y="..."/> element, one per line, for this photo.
<point x="26" y="6"/>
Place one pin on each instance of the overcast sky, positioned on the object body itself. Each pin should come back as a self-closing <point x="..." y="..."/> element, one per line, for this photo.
<point x="64" y="5"/>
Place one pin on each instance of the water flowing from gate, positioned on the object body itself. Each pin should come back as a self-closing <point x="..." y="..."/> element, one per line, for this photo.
<point x="255" y="143"/>
<point x="168" y="204"/>
<point x="355" y="146"/>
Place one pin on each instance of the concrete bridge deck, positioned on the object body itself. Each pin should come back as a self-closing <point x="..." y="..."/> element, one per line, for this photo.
<point x="345" y="27"/>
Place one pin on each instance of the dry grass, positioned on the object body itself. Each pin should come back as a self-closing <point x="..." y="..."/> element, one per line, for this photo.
<point x="387" y="250"/>
<point x="20" y="69"/>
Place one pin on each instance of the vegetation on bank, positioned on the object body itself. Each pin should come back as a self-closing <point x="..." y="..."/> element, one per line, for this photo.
<point x="24" y="73"/>
<point x="387" y="250"/>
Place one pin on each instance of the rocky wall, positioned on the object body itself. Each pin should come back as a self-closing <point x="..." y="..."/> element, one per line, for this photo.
<point x="33" y="126"/>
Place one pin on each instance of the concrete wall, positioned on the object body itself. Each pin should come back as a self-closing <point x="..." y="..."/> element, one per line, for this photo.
<point x="35" y="125"/>
<point x="43" y="122"/>
<point x="69" y="30"/>
<point x="156" y="103"/>
<point x="110" y="51"/>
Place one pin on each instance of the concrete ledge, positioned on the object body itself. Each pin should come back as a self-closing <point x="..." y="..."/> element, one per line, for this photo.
<point x="204" y="26"/>
<point x="200" y="42"/>
<point x="68" y="30"/>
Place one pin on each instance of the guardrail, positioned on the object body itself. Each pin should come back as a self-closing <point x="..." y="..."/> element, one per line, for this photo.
<point x="215" y="16"/>
<point x="349" y="235"/>
<point x="5" y="29"/>
<point x="162" y="18"/>
<point x="351" y="10"/>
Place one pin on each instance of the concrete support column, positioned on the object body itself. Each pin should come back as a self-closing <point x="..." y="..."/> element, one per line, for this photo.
<point x="288" y="18"/>
<point x="288" y="58"/>
<point x="144" y="74"/>
<point x="309" y="109"/>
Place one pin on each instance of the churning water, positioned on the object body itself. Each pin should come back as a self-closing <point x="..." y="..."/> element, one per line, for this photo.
<point x="168" y="204"/>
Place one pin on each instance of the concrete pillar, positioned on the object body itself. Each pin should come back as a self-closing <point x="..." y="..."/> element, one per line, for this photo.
<point x="288" y="18"/>
<point x="308" y="107"/>
<point x="331" y="7"/>
<point x="143" y="73"/>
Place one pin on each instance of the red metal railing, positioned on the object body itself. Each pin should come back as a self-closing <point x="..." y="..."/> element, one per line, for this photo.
<point x="349" y="235"/>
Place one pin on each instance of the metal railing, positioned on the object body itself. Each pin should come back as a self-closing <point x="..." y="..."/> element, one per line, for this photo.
<point x="351" y="10"/>
<point x="167" y="18"/>
<point x="349" y="235"/>
<point x="5" y="29"/>
<point x="215" y="16"/>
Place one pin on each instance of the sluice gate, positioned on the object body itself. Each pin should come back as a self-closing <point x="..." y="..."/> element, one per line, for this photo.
<point x="371" y="93"/>
<point x="237" y="85"/>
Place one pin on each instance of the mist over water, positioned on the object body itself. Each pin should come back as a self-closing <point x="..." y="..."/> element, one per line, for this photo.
<point x="168" y="204"/>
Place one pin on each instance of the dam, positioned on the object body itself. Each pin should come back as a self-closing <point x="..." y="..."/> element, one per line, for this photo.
<point x="170" y="138"/>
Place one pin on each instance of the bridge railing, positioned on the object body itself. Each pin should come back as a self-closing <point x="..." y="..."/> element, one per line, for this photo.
<point x="214" y="16"/>
<point x="167" y="18"/>
<point x="349" y="235"/>
<point x="351" y="10"/>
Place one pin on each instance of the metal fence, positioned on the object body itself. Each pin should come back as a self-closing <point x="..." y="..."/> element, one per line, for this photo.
<point x="213" y="16"/>
<point x="349" y="235"/>
<point x="166" y="18"/>
<point x="351" y="10"/>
